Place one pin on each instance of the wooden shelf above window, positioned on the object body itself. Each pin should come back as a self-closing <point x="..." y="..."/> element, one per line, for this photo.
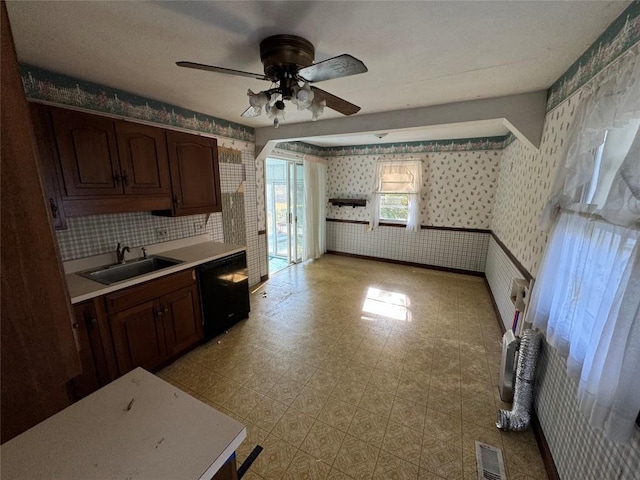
<point x="349" y="202"/>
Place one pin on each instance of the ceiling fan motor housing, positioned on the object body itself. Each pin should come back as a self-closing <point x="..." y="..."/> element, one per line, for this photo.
<point x="285" y="54"/>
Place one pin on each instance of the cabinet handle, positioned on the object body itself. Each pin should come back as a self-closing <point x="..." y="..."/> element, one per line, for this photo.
<point x="125" y="178"/>
<point x="53" y="207"/>
<point x="116" y="179"/>
<point x="91" y="322"/>
<point x="75" y="325"/>
<point x="166" y="311"/>
<point x="176" y="202"/>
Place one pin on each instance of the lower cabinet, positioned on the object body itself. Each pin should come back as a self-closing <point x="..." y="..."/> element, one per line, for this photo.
<point x="93" y="343"/>
<point x="142" y="326"/>
<point x="138" y="337"/>
<point x="182" y="320"/>
<point x="155" y="321"/>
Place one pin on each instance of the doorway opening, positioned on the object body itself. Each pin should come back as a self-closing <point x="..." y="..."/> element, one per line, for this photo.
<point x="284" y="196"/>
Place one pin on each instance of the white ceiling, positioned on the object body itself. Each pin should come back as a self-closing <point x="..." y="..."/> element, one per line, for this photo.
<point x="418" y="53"/>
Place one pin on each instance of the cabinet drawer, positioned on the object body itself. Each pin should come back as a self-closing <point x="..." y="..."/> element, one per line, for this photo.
<point x="132" y="296"/>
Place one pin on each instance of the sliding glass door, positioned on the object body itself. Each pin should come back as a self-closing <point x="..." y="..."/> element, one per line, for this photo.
<point x="285" y="208"/>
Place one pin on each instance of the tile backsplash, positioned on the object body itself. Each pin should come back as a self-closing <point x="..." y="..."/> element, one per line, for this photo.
<point x="98" y="234"/>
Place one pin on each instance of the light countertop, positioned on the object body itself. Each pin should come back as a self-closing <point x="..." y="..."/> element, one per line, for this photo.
<point x="136" y="427"/>
<point x="191" y="252"/>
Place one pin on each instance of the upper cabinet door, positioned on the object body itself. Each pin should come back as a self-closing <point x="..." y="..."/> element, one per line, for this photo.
<point x="195" y="177"/>
<point x="48" y="162"/>
<point x="88" y="153"/>
<point x="143" y="159"/>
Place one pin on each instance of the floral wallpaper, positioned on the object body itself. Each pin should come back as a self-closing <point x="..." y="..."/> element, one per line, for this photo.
<point x="525" y="180"/>
<point x="458" y="187"/>
<point x="349" y="177"/>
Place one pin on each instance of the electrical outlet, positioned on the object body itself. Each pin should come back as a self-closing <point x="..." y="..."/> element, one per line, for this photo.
<point x="162" y="233"/>
<point x="198" y="227"/>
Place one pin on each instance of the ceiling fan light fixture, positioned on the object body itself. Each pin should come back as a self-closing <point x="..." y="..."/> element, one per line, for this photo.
<point x="258" y="100"/>
<point x="275" y="111"/>
<point x="317" y="109"/>
<point x="273" y="101"/>
<point x="303" y="96"/>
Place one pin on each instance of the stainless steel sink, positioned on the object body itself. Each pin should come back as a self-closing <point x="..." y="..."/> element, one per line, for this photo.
<point x="133" y="268"/>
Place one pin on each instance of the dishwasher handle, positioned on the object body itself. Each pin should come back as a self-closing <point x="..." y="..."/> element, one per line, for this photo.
<point x="237" y="259"/>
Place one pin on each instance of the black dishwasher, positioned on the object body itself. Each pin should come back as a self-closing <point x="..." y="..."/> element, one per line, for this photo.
<point x="224" y="293"/>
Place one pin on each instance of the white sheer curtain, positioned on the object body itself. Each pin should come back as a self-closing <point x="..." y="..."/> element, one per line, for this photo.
<point x="403" y="177"/>
<point x="587" y="295"/>
<point x="315" y="206"/>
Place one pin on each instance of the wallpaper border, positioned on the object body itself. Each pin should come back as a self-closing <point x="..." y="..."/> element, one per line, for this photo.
<point x="622" y="34"/>
<point x="423" y="146"/>
<point x="42" y="84"/>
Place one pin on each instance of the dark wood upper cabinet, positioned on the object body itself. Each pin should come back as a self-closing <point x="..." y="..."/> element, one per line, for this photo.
<point x="88" y="153"/>
<point x="108" y="165"/>
<point x="143" y="159"/>
<point x="48" y="163"/>
<point x="195" y="176"/>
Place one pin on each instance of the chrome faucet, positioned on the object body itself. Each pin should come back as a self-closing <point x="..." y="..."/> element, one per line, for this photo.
<point x="120" y="253"/>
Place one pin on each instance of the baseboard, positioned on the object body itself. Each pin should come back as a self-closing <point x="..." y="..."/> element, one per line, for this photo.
<point x="543" y="446"/>
<point x="408" y="264"/>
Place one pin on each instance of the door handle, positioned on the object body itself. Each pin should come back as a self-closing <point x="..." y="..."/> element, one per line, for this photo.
<point x="53" y="207"/>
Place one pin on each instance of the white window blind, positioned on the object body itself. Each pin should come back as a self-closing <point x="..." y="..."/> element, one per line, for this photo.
<point x="397" y="182"/>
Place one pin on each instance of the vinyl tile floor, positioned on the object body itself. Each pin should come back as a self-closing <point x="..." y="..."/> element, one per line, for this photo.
<point x="356" y="369"/>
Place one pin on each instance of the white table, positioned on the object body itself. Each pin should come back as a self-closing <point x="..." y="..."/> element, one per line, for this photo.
<point x="137" y="427"/>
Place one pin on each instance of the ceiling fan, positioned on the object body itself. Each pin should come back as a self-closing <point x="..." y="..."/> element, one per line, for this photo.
<point x="288" y="64"/>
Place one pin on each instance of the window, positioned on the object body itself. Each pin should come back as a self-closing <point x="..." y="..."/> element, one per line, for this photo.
<point x="587" y="297"/>
<point x="397" y="188"/>
<point x="394" y="207"/>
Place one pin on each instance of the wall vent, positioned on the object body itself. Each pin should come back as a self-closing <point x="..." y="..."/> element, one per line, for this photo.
<point x="490" y="463"/>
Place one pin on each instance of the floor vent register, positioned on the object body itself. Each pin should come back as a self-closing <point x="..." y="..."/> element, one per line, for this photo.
<point x="490" y="463"/>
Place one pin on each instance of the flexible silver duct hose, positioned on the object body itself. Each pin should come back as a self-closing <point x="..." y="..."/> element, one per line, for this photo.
<point x="519" y="416"/>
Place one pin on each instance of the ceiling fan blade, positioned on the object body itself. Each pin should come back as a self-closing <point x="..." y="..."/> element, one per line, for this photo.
<point x="336" y="67"/>
<point x="228" y="71"/>
<point x="335" y="103"/>
<point x="251" y="112"/>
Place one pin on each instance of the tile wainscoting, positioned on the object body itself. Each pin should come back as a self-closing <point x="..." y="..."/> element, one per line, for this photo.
<point x="445" y="248"/>
<point x="579" y="452"/>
